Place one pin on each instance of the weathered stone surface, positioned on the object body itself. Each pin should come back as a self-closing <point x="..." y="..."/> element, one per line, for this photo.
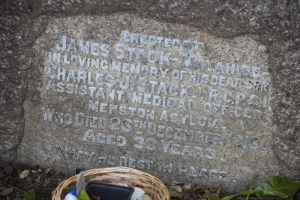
<point x="273" y="24"/>
<point x="200" y="119"/>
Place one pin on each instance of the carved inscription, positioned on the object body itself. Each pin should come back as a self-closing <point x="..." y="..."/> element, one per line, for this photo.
<point x="157" y="96"/>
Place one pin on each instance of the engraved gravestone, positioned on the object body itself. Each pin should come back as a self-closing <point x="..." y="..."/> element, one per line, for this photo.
<point x="169" y="99"/>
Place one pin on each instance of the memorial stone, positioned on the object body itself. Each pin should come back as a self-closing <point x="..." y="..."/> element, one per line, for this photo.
<point x="169" y="99"/>
<point x="195" y="92"/>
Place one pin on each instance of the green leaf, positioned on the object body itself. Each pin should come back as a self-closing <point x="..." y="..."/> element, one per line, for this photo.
<point x="278" y="186"/>
<point x="147" y="197"/>
<point x="245" y="193"/>
<point x="83" y="195"/>
<point x="213" y="197"/>
<point x="29" y="195"/>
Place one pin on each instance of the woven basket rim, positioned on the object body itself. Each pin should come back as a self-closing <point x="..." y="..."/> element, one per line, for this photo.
<point x="132" y="177"/>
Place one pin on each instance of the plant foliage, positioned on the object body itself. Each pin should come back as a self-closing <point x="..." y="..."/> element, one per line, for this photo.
<point x="29" y="195"/>
<point x="273" y="187"/>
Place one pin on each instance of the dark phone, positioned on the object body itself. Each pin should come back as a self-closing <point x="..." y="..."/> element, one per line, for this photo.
<point x="108" y="191"/>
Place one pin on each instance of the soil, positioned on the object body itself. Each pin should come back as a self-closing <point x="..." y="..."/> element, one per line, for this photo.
<point x="17" y="180"/>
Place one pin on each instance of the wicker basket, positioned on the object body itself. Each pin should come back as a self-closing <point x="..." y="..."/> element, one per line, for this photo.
<point x="132" y="177"/>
